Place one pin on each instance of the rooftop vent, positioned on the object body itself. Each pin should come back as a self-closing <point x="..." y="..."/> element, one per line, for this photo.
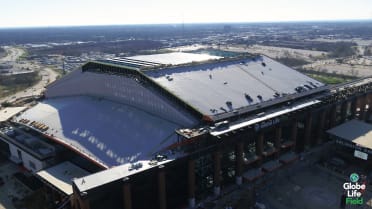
<point x="225" y="82"/>
<point x="249" y="98"/>
<point x="309" y="87"/>
<point x="259" y="97"/>
<point x="210" y="76"/>
<point x="300" y="89"/>
<point x="223" y="109"/>
<point x="276" y="95"/>
<point x="312" y="84"/>
<point x="213" y="110"/>
<point x="263" y="64"/>
<point x="229" y="105"/>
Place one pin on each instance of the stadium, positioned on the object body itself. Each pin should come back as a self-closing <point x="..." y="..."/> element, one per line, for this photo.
<point x="168" y="130"/>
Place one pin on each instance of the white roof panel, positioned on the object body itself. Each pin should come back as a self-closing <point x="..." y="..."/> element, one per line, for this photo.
<point x="174" y="58"/>
<point x="220" y="87"/>
<point x="108" y="132"/>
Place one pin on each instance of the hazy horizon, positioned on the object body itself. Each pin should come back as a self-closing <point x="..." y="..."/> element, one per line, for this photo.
<point x="195" y="23"/>
<point x="42" y="13"/>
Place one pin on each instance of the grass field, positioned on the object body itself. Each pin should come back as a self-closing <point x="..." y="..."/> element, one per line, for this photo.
<point x="327" y="79"/>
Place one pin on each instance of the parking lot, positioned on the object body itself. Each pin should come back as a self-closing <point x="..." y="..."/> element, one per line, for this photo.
<point x="308" y="187"/>
<point x="309" y="183"/>
<point x="12" y="189"/>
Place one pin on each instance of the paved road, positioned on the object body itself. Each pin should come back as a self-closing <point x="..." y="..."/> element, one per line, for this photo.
<point x="48" y="76"/>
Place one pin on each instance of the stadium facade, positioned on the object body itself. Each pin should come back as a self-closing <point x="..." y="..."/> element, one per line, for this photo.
<point x="164" y="131"/>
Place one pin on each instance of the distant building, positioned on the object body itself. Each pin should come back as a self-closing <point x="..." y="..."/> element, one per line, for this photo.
<point x="227" y="28"/>
<point x="166" y="130"/>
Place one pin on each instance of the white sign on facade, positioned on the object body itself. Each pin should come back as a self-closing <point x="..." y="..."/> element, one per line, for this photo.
<point x="360" y="155"/>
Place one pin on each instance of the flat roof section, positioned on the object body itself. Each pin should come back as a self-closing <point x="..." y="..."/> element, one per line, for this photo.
<point x="354" y="131"/>
<point x="107" y="132"/>
<point x="62" y="175"/>
<point x="129" y="63"/>
<point x="174" y="58"/>
<point x="26" y="141"/>
<point x="221" y="87"/>
<point x="9" y="112"/>
<point x="101" y="178"/>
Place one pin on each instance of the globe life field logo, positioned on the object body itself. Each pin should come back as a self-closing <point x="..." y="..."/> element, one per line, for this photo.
<point x="354" y="190"/>
<point x="354" y="177"/>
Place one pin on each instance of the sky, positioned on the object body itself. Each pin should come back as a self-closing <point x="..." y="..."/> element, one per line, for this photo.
<point x="30" y="13"/>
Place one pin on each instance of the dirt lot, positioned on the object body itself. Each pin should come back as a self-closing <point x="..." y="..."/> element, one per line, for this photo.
<point x="358" y="67"/>
<point x="342" y="69"/>
<point x="275" y="52"/>
<point x="359" y="41"/>
<point x="47" y="74"/>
